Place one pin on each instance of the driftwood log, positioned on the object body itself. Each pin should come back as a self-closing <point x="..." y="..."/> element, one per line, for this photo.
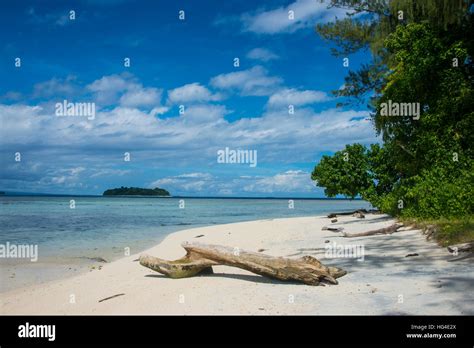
<point x="333" y="215"/>
<point x="465" y="247"/>
<point x="386" y="230"/>
<point x="462" y="251"/>
<point x="200" y="258"/>
<point x="361" y="211"/>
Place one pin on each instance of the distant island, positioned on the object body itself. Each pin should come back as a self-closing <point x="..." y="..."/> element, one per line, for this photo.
<point x="136" y="191"/>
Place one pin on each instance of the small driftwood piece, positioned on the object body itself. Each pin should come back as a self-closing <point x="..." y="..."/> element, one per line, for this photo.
<point x="201" y="257"/>
<point x="386" y="230"/>
<point x="111" y="297"/>
<point x="332" y="229"/>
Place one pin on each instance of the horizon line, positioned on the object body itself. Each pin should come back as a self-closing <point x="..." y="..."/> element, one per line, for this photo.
<point x="26" y="194"/>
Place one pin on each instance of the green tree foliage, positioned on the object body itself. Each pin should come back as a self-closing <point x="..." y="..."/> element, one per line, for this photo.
<point x="369" y="24"/>
<point x="347" y="172"/>
<point x="425" y="166"/>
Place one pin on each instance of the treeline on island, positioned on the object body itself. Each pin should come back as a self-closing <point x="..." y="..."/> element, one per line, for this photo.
<point x="423" y="168"/>
<point x="136" y="191"/>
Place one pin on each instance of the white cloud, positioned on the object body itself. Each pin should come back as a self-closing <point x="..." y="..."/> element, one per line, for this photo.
<point x="289" y="181"/>
<point x="55" y="88"/>
<point x="194" y="183"/>
<point x="204" y="113"/>
<point x="63" y="20"/>
<point x="158" y="110"/>
<point x="190" y="93"/>
<point x="109" y="172"/>
<point x="290" y="96"/>
<point x="67" y="175"/>
<point x="186" y="183"/>
<point x="251" y="82"/>
<point x="20" y="123"/>
<point x="306" y="13"/>
<point x="108" y="88"/>
<point x="56" y="18"/>
<point x="125" y="90"/>
<point x="12" y="96"/>
<point x="76" y="171"/>
<point x="194" y="136"/>
<point x="140" y="96"/>
<point x="59" y="179"/>
<point x="110" y="83"/>
<point x="195" y="175"/>
<point x="261" y="54"/>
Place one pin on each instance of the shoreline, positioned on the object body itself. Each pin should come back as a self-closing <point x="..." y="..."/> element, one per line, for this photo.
<point x="428" y="283"/>
<point x="103" y="228"/>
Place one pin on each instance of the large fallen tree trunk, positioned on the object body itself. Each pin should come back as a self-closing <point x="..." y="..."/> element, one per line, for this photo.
<point x="386" y="230"/>
<point x="333" y="215"/>
<point x="361" y="211"/>
<point x="201" y="257"/>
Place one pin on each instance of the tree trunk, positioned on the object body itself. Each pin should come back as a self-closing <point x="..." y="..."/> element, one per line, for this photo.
<point x="462" y="251"/>
<point x="201" y="257"/>
<point x="333" y="215"/>
<point x="461" y="247"/>
<point x="386" y="230"/>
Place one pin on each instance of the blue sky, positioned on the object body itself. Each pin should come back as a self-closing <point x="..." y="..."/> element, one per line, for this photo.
<point x="174" y="62"/>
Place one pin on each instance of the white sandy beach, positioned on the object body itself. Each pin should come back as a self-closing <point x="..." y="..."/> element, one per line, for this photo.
<point x="385" y="282"/>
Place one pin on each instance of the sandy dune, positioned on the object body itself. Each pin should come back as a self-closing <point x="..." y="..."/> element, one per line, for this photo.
<point x="385" y="282"/>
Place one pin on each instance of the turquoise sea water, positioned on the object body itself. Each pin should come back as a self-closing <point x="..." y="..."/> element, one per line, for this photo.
<point x="99" y="225"/>
<point x="70" y="240"/>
